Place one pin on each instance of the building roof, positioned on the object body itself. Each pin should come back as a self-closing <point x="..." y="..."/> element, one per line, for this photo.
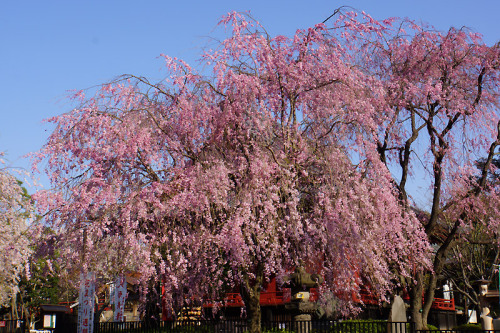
<point x="54" y="308"/>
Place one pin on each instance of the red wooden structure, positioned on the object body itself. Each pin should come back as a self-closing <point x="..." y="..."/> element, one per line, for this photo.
<point x="272" y="296"/>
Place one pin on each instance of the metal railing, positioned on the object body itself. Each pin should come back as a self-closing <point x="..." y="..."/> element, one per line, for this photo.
<point x="241" y="326"/>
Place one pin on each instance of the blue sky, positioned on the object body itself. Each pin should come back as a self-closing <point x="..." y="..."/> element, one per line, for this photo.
<point x="50" y="47"/>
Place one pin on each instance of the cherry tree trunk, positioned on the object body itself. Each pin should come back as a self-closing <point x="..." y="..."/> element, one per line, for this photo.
<point x="416" y="297"/>
<point x="251" y="296"/>
<point x="253" y="312"/>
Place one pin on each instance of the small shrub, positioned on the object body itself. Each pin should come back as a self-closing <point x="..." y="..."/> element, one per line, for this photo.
<point x="469" y="327"/>
<point x="277" y="330"/>
<point x="360" y="326"/>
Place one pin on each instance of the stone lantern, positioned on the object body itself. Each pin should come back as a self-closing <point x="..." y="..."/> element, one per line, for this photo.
<point x="486" y="319"/>
<point x="302" y="309"/>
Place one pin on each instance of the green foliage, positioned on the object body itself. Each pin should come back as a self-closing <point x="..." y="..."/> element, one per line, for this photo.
<point x="360" y="326"/>
<point x="201" y="329"/>
<point x="178" y="329"/>
<point x="469" y="327"/>
<point x="363" y="326"/>
<point x="192" y="329"/>
<point x="42" y="287"/>
<point x="432" y="327"/>
<point x="277" y="330"/>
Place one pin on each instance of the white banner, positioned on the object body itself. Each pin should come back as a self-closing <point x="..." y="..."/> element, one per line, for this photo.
<point x="86" y="303"/>
<point x="111" y="293"/>
<point x="120" y="297"/>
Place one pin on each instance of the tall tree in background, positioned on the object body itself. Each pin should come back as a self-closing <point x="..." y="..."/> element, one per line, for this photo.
<point x="472" y="258"/>
<point x="231" y="179"/>
<point x="15" y="210"/>
<point x="442" y="107"/>
<point x="49" y="280"/>
<point x="475" y="255"/>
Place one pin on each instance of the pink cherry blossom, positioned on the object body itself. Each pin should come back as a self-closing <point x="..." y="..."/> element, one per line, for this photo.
<point x="15" y="213"/>
<point x="283" y="155"/>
